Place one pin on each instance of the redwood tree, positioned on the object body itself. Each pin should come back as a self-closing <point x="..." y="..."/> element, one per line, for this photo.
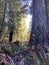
<point x="39" y="32"/>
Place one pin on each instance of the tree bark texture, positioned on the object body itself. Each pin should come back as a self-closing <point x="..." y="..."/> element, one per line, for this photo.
<point x="39" y="32"/>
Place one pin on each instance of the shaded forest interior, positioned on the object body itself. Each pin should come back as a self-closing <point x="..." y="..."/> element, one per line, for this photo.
<point x="24" y="32"/>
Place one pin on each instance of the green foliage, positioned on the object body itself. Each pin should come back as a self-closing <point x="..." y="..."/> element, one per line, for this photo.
<point x="20" y="52"/>
<point x="6" y="48"/>
<point x="21" y="28"/>
<point x="16" y="22"/>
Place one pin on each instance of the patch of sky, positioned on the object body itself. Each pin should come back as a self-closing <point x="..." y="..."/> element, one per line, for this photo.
<point x="27" y="4"/>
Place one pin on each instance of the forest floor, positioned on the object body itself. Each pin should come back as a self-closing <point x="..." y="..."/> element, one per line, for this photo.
<point x="17" y="53"/>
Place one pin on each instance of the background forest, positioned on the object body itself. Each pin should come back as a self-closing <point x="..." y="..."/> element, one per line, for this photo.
<point x="24" y="32"/>
<point x="12" y="21"/>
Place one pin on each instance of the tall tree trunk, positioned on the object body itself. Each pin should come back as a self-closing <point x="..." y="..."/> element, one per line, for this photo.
<point x="10" y="36"/>
<point x="5" y="17"/>
<point x="2" y="22"/>
<point x="47" y="15"/>
<point x="39" y="30"/>
<point x="11" y="30"/>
